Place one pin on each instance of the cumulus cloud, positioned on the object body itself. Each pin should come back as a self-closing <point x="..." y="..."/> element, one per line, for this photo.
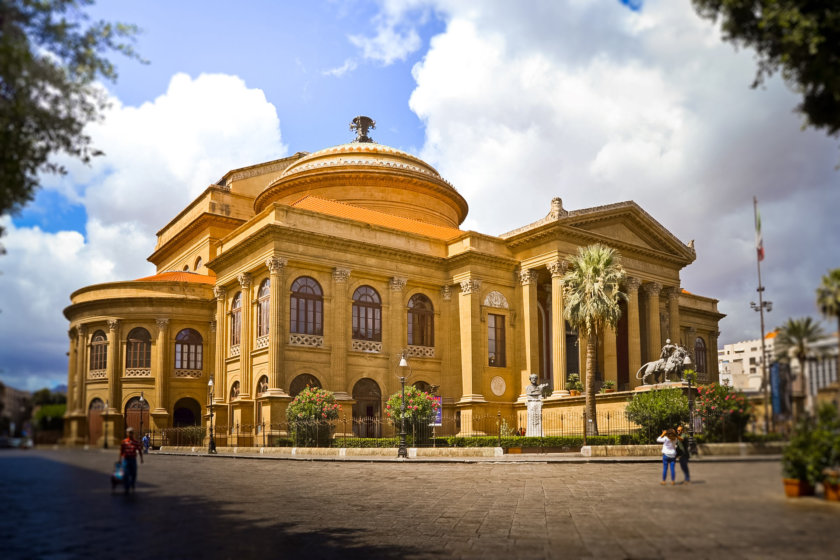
<point x="348" y="66"/>
<point x="159" y="156"/>
<point x="395" y="36"/>
<point x="596" y="104"/>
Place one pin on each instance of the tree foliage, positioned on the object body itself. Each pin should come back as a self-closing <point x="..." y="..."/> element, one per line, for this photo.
<point x="419" y="407"/>
<point x="796" y="339"/>
<point x="725" y="412"/>
<point x="592" y="295"/>
<point x="828" y="295"/>
<point x="657" y="410"/>
<point x="50" y="57"/>
<point x="799" y="38"/>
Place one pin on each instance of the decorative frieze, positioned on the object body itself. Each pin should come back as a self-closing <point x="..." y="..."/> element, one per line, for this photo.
<point x="528" y="277"/>
<point x="397" y="284"/>
<point x="189" y="373"/>
<point x="470" y="286"/>
<point x="421" y="351"/>
<point x="497" y="300"/>
<point x="341" y="275"/>
<point x="311" y="340"/>
<point x="369" y="346"/>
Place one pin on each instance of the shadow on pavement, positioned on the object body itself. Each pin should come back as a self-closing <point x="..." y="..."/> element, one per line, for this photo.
<point x="53" y="509"/>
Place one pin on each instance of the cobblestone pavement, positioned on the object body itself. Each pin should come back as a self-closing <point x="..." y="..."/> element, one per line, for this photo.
<point x="57" y="504"/>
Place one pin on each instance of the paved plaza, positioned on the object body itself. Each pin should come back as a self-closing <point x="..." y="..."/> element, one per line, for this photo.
<point x="57" y="504"/>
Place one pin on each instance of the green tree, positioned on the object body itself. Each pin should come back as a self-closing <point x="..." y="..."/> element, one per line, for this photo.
<point x="725" y="412"/>
<point x="828" y="300"/>
<point x="657" y="410"/>
<point x="50" y="57"/>
<point x="799" y="38"/>
<point x="592" y="296"/>
<point x="795" y="340"/>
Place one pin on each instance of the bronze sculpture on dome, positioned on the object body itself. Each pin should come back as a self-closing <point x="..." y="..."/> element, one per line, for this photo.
<point x="361" y="125"/>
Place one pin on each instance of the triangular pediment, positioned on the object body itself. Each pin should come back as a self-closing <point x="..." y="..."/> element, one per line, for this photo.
<point x="621" y="232"/>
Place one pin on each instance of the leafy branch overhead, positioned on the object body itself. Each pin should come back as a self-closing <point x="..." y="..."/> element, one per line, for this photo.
<point x="798" y="38"/>
<point x="51" y="56"/>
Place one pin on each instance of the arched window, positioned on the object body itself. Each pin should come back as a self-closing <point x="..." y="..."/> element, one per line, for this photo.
<point x="198" y="264"/>
<point x="263" y="301"/>
<point x="367" y="314"/>
<point x="307" y="307"/>
<point x="301" y="382"/>
<point x="700" y="355"/>
<point x="236" y="319"/>
<point x="138" y="351"/>
<point x="188" y="350"/>
<point x="98" y="351"/>
<point x="421" y="321"/>
<point x="423" y="386"/>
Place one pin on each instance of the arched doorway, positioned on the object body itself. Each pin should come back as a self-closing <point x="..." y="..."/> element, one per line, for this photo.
<point x="137" y="416"/>
<point x="367" y="411"/>
<point x="187" y="412"/>
<point x="97" y="407"/>
<point x="303" y="381"/>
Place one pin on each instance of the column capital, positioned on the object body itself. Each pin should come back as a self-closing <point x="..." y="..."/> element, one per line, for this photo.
<point x="162" y="324"/>
<point x="82" y="330"/>
<point x="557" y="268"/>
<point x="397" y="284"/>
<point x="212" y="326"/>
<point x="672" y="292"/>
<point x="340" y="275"/>
<point x="446" y="293"/>
<point x="73" y="333"/>
<point x="113" y="324"/>
<point x="632" y="284"/>
<point x="528" y="277"/>
<point x="219" y="292"/>
<point x="276" y="265"/>
<point x="470" y="286"/>
<point x="652" y="288"/>
<point x="244" y="280"/>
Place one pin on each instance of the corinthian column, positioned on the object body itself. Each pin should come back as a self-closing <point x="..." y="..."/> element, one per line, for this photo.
<point x="341" y="330"/>
<point x="72" y="374"/>
<point x="472" y="360"/>
<point x="220" y="371"/>
<point x="673" y="295"/>
<point x="161" y="377"/>
<point x="276" y="332"/>
<point x="396" y="333"/>
<point x="558" y="329"/>
<point x="652" y="290"/>
<point x="112" y="373"/>
<point x="245" y="339"/>
<point x="530" y="320"/>
<point x="634" y="338"/>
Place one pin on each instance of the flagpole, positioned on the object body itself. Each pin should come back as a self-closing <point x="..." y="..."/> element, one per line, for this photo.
<point x="759" y="255"/>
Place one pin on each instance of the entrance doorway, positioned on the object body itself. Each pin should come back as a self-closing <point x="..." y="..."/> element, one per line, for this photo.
<point x="368" y="409"/>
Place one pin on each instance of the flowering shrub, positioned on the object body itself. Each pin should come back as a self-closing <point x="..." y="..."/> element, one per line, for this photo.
<point x="725" y="412"/>
<point x="309" y="416"/>
<point x="419" y="408"/>
<point x="657" y="410"/>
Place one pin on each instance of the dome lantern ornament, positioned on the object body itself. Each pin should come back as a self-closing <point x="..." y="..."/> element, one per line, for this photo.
<point x="361" y="125"/>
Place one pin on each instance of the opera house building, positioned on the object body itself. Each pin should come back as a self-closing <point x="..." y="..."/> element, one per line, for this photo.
<point x="325" y="268"/>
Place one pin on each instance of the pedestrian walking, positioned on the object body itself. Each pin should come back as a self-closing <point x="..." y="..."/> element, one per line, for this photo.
<point x="668" y="439"/>
<point x="683" y="454"/>
<point x="129" y="450"/>
<point x="146" y="442"/>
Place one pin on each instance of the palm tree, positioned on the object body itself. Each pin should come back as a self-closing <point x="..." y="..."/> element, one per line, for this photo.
<point x="795" y="339"/>
<point x="828" y="300"/>
<point x="592" y="294"/>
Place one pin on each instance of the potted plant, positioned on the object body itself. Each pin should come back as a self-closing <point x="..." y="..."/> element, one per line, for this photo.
<point x="795" y="467"/>
<point x="574" y="385"/>
<point x="831" y="484"/>
<point x="608" y="386"/>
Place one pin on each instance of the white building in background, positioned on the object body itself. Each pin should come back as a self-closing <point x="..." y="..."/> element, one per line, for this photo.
<point x="740" y="364"/>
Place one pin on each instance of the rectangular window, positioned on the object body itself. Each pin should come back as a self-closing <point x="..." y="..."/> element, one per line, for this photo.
<point x="496" y="340"/>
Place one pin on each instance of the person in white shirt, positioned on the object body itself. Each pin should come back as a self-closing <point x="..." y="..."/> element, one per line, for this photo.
<point x="668" y="439"/>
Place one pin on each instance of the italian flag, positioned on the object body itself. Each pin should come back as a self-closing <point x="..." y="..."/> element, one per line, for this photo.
<point x="759" y="241"/>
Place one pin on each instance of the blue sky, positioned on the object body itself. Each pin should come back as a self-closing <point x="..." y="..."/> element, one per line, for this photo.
<point x="514" y="103"/>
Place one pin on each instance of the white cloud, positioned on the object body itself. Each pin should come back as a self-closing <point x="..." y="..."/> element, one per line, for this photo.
<point x="159" y="156"/>
<point x="348" y="66"/>
<point x="396" y="36"/>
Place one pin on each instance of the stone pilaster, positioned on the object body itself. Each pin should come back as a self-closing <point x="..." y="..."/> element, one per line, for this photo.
<point x="634" y="338"/>
<point x="341" y="330"/>
<point x="558" y="328"/>
<point x="72" y="373"/>
<point x="654" y="346"/>
<point x="162" y="370"/>
<point x="530" y="323"/>
<point x="610" y="355"/>
<point x="220" y="371"/>
<point x="472" y="360"/>
<point x="276" y="332"/>
<point x="112" y="362"/>
<point x="673" y="295"/>
<point x="245" y="342"/>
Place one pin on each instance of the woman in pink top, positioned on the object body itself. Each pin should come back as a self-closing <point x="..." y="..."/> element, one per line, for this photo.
<point x="668" y="439"/>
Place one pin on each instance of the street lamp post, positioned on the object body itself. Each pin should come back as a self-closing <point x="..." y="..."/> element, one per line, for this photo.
<point x="211" y="446"/>
<point x="141" y="414"/>
<point x="692" y="444"/>
<point x="403" y="452"/>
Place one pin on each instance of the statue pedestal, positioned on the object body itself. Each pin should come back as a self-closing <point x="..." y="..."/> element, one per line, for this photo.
<point x="534" y="427"/>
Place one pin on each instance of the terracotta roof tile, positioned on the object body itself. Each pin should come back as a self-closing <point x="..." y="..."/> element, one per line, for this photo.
<point x="178" y="276"/>
<point x="343" y="210"/>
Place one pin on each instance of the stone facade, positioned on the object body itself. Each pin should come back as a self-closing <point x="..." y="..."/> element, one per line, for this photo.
<point x="329" y="267"/>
